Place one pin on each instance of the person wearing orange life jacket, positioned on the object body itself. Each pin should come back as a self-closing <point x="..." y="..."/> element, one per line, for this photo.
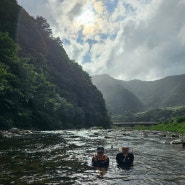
<point x="100" y="160"/>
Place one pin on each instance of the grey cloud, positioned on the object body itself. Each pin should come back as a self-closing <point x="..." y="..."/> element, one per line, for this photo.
<point x="161" y="53"/>
<point x="149" y="45"/>
<point x="76" y="10"/>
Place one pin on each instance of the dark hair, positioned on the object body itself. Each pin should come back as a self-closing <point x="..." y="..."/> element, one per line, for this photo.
<point x="100" y="149"/>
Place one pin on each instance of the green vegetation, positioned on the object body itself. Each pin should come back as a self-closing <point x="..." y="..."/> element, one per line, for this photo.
<point x="40" y="87"/>
<point x="170" y="119"/>
<point x="154" y="115"/>
<point x="127" y="97"/>
<point x="178" y="125"/>
<point x="118" y="99"/>
<point x="171" y="127"/>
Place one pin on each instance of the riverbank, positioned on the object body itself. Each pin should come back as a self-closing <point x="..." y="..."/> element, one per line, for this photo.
<point x="171" y="127"/>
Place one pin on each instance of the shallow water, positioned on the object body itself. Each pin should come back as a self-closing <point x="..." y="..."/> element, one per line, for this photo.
<point x="64" y="157"/>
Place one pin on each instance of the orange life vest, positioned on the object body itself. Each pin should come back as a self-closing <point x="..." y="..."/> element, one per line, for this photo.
<point x="100" y="158"/>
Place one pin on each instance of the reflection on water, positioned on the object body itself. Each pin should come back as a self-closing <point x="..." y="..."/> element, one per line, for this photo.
<point x="64" y="157"/>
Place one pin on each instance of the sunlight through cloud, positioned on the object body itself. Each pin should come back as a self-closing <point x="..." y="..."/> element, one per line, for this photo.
<point x="120" y="37"/>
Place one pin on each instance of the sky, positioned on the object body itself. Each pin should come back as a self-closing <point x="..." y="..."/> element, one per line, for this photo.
<point x="127" y="39"/>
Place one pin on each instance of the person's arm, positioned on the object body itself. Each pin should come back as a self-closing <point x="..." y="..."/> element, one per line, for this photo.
<point x="107" y="162"/>
<point x="131" y="158"/>
<point x="118" y="159"/>
<point x="93" y="161"/>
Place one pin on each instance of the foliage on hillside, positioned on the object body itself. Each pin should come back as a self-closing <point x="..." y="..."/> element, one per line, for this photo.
<point x="118" y="99"/>
<point x="40" y="87"/>
<point x="153" y="115"/>
<point x="171" y="127"/>
<point x="167" y="92"/>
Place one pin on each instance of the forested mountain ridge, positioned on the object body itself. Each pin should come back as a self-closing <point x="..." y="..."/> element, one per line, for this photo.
<point x="119" y="100"/>
<point x="167" y="92"/>
<point x="40" y="87"/>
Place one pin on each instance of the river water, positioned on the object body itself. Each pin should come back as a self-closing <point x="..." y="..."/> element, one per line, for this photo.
<point x="64" y="157"/>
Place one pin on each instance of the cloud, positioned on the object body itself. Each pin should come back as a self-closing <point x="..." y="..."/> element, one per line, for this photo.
<point x="138" y="39"/>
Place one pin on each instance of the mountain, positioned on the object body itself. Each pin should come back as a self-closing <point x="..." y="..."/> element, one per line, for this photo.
<point x="167" y="92"/>
<point x="119" y="100"/>
<point x="40" y="87"/>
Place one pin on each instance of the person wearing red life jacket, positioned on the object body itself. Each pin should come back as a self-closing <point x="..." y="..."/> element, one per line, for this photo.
<point x="100" y="159"/>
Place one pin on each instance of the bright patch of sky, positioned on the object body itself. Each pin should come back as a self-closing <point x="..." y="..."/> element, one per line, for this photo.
<point x="127" y="39"/>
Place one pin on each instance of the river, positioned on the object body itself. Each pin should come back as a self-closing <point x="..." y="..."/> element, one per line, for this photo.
<point x="64" y="157"/>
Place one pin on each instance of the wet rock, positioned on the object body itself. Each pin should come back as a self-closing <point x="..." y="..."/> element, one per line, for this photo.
<point x="163" y="142"/>
<point x="15" y="131"/>
<point x="174" y="136"/>
<point x="183" y="144"/>
<point x="109" y="137"/>
<point x="110" y="130"/>
<point x="5" y="134"/>
<point x="177" y="141"/>
<point x="1" y="135"/>
<point x="162" y="135"/>
<point x="145" y="134"/>
<point x="28" y="132"/>
<point x="155" y="133"/>
<point x="93" y="136"/>
<point x="96" y="134"/>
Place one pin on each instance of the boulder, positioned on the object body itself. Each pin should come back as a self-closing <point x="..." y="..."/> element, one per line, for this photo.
<point x="28" y="132"/>
<point x="109" y="137"/>
<point x="14" y="130"/>
<point x="177" y="141"/>
<point x="1" y="135"/>
<point x="183" y="144"/>
<point x="174" y="136"/>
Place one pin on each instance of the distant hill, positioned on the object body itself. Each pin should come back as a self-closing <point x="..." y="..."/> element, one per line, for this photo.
<point x="119" y="100"/>
<point x="167" y="92"/>
<point x="40" y="87"/>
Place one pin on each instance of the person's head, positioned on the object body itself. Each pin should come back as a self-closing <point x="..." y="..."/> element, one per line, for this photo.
<point x="125" y="148"/>
<point x="100" y="150"/>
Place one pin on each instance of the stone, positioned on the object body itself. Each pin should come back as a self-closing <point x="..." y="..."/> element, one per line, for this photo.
<point x="15" y="130"/>
<point x="177" y="141"/>
<point x="183" y="144"/>
<point x="174" y="136"/>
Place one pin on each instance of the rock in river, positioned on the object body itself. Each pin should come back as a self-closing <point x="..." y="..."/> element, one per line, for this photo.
<point x="177" y="141"/>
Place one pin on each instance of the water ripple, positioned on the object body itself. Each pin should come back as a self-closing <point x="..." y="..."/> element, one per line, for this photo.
<point x="64" y="157"/>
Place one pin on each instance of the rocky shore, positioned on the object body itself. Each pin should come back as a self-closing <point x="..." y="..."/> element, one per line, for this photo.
<point x="13" y="132"/>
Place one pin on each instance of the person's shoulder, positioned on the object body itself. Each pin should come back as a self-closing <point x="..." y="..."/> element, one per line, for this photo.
<point x="131" y="154"/>
<point x="94" y="156"/>
<point x="105" y="156"/>
<point x="119" y="154"/>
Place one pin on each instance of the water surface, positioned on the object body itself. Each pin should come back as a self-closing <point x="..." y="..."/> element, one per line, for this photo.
<point x="64" y="157"/>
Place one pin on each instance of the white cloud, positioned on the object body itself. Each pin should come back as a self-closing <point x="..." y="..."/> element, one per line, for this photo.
<point x="149" y="35"/>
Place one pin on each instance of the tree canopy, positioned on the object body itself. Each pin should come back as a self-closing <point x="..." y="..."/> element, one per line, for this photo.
<point x="40" y="87"/>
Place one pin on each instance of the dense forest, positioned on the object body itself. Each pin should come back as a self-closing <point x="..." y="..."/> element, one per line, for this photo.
<point x="119" y="100"/>
<point x="161" y="115"/>
<point x="145" y="95"/>
<point x="136" y="101"/>
<point x="40" y="87"/>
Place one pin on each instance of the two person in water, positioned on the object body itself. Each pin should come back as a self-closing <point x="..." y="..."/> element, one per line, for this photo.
<point x="124" y="159"/>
